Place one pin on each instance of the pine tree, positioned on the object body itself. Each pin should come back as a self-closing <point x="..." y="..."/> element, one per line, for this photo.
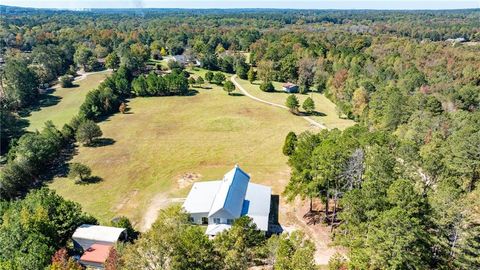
<point x="292" y="103"/>
<point x="252" y="75"/>
<point x="308" y="105"/>
<point x="290" y="142"/>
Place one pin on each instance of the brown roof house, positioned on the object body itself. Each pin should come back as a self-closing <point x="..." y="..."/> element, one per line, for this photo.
<point x="95" y="256"/>
<point x="95" y="242"/>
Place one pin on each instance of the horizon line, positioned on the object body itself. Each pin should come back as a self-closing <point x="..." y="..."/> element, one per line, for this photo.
<point x="236" y="8"/>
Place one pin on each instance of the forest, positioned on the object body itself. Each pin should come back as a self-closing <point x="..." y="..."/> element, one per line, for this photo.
<point x="399" y="189"/>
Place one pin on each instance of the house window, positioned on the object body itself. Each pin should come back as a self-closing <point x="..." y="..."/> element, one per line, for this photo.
<point x="216" y="220"/>
<point x="204" y="220"/>
<point x="191" y="219"/>
<point x="229" y="221"/>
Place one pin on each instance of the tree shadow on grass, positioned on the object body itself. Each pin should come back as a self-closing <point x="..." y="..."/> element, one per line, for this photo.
<point x="60" y="166"/>
<point x="314" y="113"/>
<point x="191" y="92"/>
<point x="72" y="86"/>
<point x="236" y="94"/>
<point x="206" y="87"/>
<point x="102" y="142"/>
<point x="46" y="100"/>
<point x="89" y="180"/>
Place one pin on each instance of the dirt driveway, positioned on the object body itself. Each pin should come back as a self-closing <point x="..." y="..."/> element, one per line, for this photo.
<point x="160" y="201"/>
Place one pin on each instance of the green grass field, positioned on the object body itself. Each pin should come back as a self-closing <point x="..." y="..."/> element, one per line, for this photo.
<point x="326" y="109"/>
<point x="163" y="138"/>
<point x="70" y="100"/>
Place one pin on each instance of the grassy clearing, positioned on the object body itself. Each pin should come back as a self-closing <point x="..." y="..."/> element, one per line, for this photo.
<point x="69" y="101"/>
<point x="327" y="113"/>
<point x="163" y="138"/>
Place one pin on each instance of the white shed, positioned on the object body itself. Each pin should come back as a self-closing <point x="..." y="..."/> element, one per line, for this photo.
<point x="86" y="235"/>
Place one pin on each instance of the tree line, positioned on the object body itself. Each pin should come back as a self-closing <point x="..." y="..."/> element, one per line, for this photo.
<point x="395" y="205"/>
<point x="400" y="189"/>
<point x="174" y="243"/>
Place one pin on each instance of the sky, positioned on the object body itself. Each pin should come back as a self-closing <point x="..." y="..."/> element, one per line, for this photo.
<point x="300" y="4"/>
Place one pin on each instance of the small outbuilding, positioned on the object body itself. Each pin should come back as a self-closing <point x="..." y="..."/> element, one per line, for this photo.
<point x="87" y="235"/>
<point x="290" y="87"/>
<point x="95" y="256"/>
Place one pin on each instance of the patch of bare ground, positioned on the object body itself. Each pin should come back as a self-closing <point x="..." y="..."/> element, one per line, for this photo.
<point x="261" y="267"/>
<point x="297" y="218"/>
<point x="125" y="200"/>
<point x="187" y="179"/>
<point x="158" y="202"/>
<point x="471" y="43"/>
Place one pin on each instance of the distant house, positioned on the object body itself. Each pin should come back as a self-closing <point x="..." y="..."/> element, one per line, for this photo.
<point x="456" y="40"/>
<point x="181" y="59"/>
<point x="185" y="59"/>
<point x="218" y="203"/>
<point x="290" y="87"/>
<point x="95" y="256"/>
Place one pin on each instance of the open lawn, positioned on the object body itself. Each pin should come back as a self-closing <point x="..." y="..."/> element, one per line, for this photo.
<point x="165" y="143"/>
<point x="325" y="109"/>
<point x="63" y="103"/>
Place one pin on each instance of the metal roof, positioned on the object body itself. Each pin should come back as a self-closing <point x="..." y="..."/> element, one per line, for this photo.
<point x="234" y="195"/>
<point x="201" y="196"/>
<point x="214" y="229"/>
<point x="97" y="253"/>
<point x="257" y="204"/>
<point x="231" y="193"/>
<point x="98" y="233"/>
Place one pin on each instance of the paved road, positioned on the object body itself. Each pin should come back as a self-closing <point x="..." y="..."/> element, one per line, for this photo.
<point x="307" y="118"/>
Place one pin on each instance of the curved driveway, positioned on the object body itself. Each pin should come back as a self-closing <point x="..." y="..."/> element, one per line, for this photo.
<point x="307" y="118"/>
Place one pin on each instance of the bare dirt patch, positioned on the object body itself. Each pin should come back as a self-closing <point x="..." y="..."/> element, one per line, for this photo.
<point x="187" y="179"/>
<point x="160" y="201"/>
<point x="125" y="200"/>
<point x="319" y="233"/>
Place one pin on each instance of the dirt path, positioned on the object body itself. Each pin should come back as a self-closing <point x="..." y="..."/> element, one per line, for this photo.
<point x="319" y="233"/>
<point x="307" y="118"/>
<point x="160" y="201"/>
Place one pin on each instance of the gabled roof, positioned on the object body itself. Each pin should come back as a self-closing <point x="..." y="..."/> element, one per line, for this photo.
<point x="289" y="85"/>
<point x="231" y="193"/>
<point x="214" y="229"/>
<point x="181" y="58"/>
<point x="98" y="233"/>
<point x="201" y="196"/>
<point x="97" y="253"/>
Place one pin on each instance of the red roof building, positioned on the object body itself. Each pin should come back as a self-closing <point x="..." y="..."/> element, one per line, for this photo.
<point x="95" y="256"/>
<point x="290" y="87"/>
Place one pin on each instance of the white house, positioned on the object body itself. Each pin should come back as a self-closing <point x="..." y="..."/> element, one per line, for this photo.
<point x="219" y="203"/>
